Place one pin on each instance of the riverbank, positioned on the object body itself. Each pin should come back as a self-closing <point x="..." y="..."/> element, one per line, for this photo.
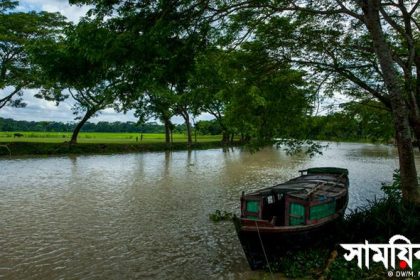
<point x="38" y="148"/>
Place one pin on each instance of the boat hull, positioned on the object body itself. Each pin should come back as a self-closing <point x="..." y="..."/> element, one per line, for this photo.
<point x="261" y="244"/>
<point x="300" y="213"/>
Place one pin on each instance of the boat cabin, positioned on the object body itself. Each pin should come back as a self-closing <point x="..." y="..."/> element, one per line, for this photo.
<point x="312" y="198"/>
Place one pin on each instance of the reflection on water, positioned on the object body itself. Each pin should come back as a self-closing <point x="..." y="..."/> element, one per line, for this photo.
<point x="146" y="215"/>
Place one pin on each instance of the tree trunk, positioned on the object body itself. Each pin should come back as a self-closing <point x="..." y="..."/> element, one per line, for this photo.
<point x="184" y="113"/>
<point x="415" y="125"/>
<point x="89" y="113"/>
<point x="189" y="134"/>
<point x="409" y="182"/>
<point x="167" y="124"/>
<point x="225" y="132"/>
<point x="225" y="137"/>
<point x="195" y="135"/>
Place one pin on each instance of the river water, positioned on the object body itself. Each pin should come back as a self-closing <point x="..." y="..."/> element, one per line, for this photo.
<point x="145" y="216"/>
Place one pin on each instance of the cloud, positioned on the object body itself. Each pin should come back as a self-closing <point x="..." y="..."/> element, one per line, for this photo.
<point x="38" y="110"/>
<point x="42" y="110"/>
<point x="72" y="12"/>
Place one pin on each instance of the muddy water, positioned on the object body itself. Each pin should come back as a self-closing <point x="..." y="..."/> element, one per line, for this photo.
<point x="145" y="216"/>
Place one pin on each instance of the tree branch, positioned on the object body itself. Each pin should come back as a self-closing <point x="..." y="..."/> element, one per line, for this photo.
<point x="7" y="98"/>
<point x="348" y="11"/>
<point x="343" y="71"/>
<point x="414" y="8"/>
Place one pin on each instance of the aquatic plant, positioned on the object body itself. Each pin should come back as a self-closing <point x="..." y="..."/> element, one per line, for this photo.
<point x="219" y="216"/>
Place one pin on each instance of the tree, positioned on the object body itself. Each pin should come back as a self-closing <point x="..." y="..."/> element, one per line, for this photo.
<point x="161" y="39"/>
<point x="208" y="127"/>
<point x="354" y="121"/>
<point x="183" y="108"/>
<point x="17" y="32"/>
<point x="209" y="85"/>
<point x="368" y="45"/>
<point x="156" y="104"/>
<point x="270" y="100"/>
<point x="373" y="120"/>
<point x="80" y="64"/>
<point x="250" y="94"/>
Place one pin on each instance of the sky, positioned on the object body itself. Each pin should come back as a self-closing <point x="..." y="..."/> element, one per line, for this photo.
<point x="41" y="110"/>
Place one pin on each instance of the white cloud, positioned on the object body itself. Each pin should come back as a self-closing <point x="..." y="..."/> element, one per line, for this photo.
<point x="38" y="110"/>
<point x="42" y="110"/>
<point x="72" y="12"/>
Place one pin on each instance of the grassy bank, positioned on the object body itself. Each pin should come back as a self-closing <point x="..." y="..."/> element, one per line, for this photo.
<point x="99" y="137"/>
<point x="55" y="143"/>
<point x="38" y="148"/>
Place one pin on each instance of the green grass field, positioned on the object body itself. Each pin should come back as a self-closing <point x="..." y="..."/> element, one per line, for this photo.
<point x="99" y="138"/>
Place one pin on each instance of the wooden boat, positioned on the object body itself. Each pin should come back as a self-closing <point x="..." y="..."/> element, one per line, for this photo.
<point x="291" y="215"/>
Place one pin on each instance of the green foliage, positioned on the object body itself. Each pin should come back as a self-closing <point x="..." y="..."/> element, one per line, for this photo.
<point x="294" y="146"/>
<point x="383" y="218"/>
<point x="342" y="269"/>
<point x="271" y="100"/>
<point x="354" y="122"/>
<point x="219" y="216"/>
<point x="157" y="58"/>
<point x="78" y="62"/>
<point x="249" y="93"/>
<point x="157" y="103"/>
<point x="302" y="263"/>
<point x="393" y="191"/>
<point x="18" y="33"/>
<point x="208" y="127"/>
<point x="369" y="119"/>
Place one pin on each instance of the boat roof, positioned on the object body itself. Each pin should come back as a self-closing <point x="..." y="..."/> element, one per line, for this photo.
<point x="311" y="185"/>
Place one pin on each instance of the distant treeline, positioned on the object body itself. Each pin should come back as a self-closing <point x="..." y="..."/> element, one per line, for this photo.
<point x="14" y="125"/>
<point x="369" y="121"/>
<point x="203" y="127"/>
<point x="353" y="123"/>
<point x="341" y="127"/>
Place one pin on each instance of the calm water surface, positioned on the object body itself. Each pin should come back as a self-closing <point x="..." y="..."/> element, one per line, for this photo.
<point x="146" y="215"/>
